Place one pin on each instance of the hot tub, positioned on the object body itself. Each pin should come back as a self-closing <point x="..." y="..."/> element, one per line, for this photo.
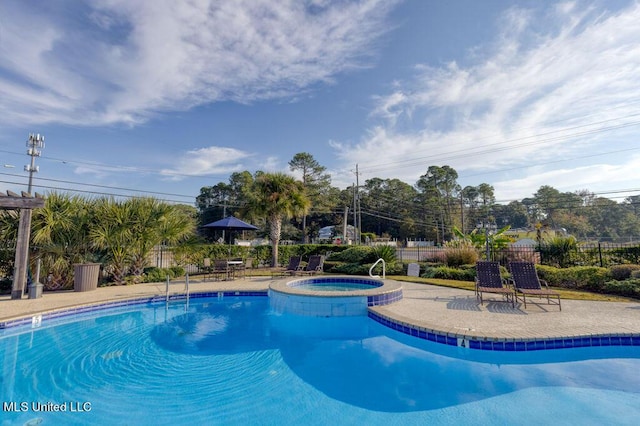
<point x="332" y="296"/>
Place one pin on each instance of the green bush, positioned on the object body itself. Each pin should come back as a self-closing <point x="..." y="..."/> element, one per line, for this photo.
<point x="351" y="269"/>
<point x="154" y="274"/>
<point x="394" y="268"/>
<point x="558" y="251"/>
<point x="387" y="253"/>
<point x="625" y="254"/>
<point x="590" y="278"/>
<point x="447" y="273"/>
<point x="623" y="272"/>
<point x="177" y="271"/>
<point x="629" y="288"/>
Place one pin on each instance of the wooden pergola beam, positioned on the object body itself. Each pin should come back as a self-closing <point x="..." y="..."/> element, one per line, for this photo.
<point x="12" y="201"/>
<point x="25" y="202"/>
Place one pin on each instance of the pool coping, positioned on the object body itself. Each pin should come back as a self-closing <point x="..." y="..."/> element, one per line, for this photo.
<point x="394" y="320"/>
<point x="514" y="344"/>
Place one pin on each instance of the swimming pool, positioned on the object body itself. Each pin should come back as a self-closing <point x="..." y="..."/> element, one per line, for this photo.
<point x="235" y="361"/>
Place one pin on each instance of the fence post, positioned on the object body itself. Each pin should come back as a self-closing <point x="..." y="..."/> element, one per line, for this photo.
<point x="600" y="254"/>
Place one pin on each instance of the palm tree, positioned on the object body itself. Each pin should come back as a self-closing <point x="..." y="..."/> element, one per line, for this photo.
<point x="113" y="233"/>
<point x="60" y="235"/>
<point x="154" y="222"/>
<point x="275" y="197"/>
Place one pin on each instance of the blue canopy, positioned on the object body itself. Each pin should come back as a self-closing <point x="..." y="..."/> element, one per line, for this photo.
<point x="230" y="223"/>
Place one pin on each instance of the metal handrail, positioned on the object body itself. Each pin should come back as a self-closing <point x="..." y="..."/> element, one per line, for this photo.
<point x="186" y="292"/>
<point x="384" y="269"/>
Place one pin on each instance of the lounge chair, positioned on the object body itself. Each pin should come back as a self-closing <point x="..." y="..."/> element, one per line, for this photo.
<point x="315" y="265"/>
<point x="488" y="280"/>
<point x="526" y="283"/>
<point x="292" y="267"/>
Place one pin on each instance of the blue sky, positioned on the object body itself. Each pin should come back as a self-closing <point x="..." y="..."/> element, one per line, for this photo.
<point x="164" y="97"/>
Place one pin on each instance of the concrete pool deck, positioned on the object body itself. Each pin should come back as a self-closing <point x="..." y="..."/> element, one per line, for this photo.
<point x="446" y="310"/>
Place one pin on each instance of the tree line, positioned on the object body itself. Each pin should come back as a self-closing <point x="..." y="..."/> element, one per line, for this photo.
<point x="121" y="234"/>
<point x="431" y="209"/>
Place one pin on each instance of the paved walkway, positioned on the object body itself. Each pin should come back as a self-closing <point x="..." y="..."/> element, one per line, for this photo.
<point x="442" y="309"/>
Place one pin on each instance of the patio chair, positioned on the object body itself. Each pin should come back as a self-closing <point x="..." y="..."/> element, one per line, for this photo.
<point x="206" y="268"/>
<point x="240" y="267"/>
<point x="315" y="265"/>
<point x="221" y="269"/>
<point x="247" y="268"/>
<point x="526" y="283"/>
<point x="488" y="280"/>
<point x="292" y="267"/>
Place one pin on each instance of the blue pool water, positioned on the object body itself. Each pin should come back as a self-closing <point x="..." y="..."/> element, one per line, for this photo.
<point x="333" y="286"/>
<point x="234" y="361"/>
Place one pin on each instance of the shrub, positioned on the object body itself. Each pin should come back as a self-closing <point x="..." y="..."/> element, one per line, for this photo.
<point x="351" y="269"/>
<point x="635" y="274"/>
<point x="177" y="271"/>
<point x="447" y="273"/>
<point x="590" y="278"/>
<point x="629" y="288"/>
<point x="387" y="253"/>
<point x="623" y="272"/>
<point x="557" y="250"/>
<point x="460" y="253"/>
<point x="394" y="268"/>
<point x="154" y="274"/>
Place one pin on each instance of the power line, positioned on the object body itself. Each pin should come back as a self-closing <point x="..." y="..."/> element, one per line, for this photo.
<point x="103" y="186"/>
<point x="56" y="188"/>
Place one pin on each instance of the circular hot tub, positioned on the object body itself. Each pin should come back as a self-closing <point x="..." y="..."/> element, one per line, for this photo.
<point x="332" y="296"/>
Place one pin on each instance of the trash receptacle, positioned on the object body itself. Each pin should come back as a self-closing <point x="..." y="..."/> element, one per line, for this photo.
<point x="86" y="276"/>
<point x="35" y="291"/>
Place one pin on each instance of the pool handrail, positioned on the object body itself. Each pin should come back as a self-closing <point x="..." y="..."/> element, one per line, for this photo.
<point x="384" y="269"/>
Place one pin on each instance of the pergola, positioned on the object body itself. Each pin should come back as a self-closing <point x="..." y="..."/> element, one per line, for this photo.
<point x="25" y="203"/>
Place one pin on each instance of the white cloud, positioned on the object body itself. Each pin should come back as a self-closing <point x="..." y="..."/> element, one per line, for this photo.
<point x="595" y="178"/>
<point x="272" y="164"/>
<point x="128" y="60"/>
<point x="550" y="87"/>
<point x="212" y="160"/>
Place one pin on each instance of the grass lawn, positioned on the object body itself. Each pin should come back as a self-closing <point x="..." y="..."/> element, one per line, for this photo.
<point x="564" y="293"/>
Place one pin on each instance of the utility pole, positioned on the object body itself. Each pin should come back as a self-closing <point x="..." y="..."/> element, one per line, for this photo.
<point x="359" y="228"/>
<point x="461" y="212"/>
<point x="21" y="264"/>
<point x="35" y="143"/>
<point x="355" y="222"/>
<point x="344" y="224"/>
<point x="224" y="214"/>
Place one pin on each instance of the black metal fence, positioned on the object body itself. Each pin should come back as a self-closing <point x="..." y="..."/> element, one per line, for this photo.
<point x="589" y="254"/>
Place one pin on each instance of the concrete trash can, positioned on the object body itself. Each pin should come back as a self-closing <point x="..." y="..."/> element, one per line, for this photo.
<point x="85" y="276"/>
<point x="35" y="291"/>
